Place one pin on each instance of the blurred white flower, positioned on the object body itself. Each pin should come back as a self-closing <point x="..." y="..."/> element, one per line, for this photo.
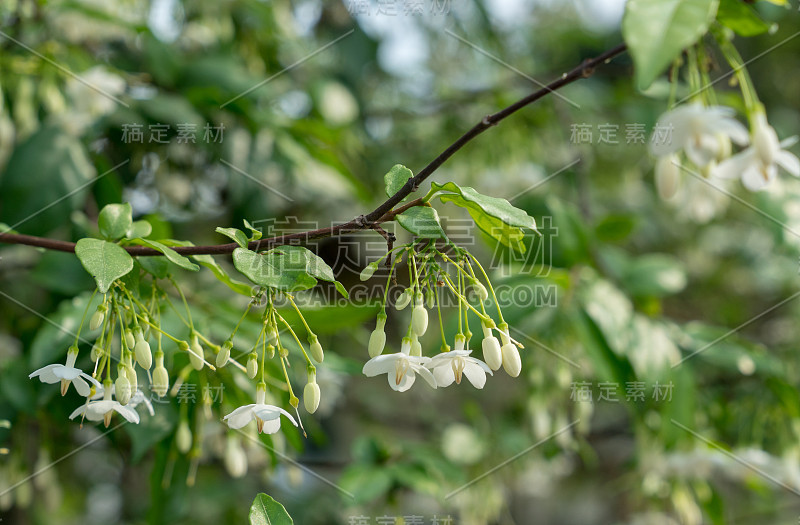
<point x="67" y="374"/>
<point x="400" y="368"/>
<point x="757" y="165"/>
<point x="267" y="417"/>
<point x="92" y="97"/>
<point x="702" y="132"/>
<point x="449" y="366"/>
<point x="462" y="445"/>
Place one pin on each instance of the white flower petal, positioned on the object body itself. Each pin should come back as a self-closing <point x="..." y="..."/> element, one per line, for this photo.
<point x="271" y="426"/>
<point x="46" y="375"/>
<point x="67" y="372"/>
<point x="756" y="177"/>
<point x="734" y="129"/>
<point x="128" y="413"/>
<point x="240" y="417"/>
<point x="382" y="364"/>
<point x="444" y="376"/>
<point x="475" y="374"/>
<point x="702" y="149"/>
<point x="789" y="162"/>
<point x="78" y="411"/>
<point x="271" y="412"/>
<point x="81" y="386"/>
<point x="426" y="375"/>
<point x="733" y="167"/>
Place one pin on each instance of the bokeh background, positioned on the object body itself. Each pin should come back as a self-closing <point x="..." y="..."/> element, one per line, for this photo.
<point x="620" y="287"/>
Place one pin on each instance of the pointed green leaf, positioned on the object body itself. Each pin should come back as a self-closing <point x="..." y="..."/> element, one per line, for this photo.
<point x="656" y="32"/>
<point x="740" y="17"/>
<point x="422" y="221"/>
<point x="114" y="220"/>
<point x="289" y="268"/>
<point x="234" y="234"/>
<point x="105" y="261"/>
<point x="267" y="511"/>
<point x="220" y="273"/>
<point x="495" y="216"/>
<point x="255" y="234"/>
<point x="172" y="255"/>
<point x="5" y="228"/>
<point x="396" y="178"/>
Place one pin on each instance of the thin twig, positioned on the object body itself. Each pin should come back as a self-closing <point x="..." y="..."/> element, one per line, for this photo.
<point x="382" y="213"/>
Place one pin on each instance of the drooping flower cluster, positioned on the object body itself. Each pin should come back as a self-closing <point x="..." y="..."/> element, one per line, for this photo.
<point x="125" y="326"/>
<point x="434" y="274"/>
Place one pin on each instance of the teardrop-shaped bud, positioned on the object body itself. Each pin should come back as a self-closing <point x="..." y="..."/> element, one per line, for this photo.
<point x="183" y="437"/>
<point x="419" y="320"/>
<point x="235" y="458"/>
<point x="404" y="299"/>
<point x="224" y="353"/>
<point x="252" y="365"/>
<point x="160" y="376"/>
<point x="130" y="340"/>
<point x="492" y="353"/>
<point x="311" y="397"/>
<point x="196" y="356"/>
<point x="143" y="354"/>
<point x="377" y="342"/>
<point x="316" y="348"/>
<point x="122" y="387"/>
<point x="512" y="363"/>
<point x="368" y="271"/>
<point x="97" y="318"/>
<point x="668" y="176"/>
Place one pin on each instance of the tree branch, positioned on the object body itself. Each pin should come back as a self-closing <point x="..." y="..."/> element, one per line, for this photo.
<point x="382" y="213"/>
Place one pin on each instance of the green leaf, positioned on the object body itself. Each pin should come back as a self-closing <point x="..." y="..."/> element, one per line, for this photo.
<point x="422" y="221"/>
<point x="115" y="220"/>
<point x="139" y="229"/>
<point x="235" y="235"/>
<point x="220" y="273"/>
<point x="255" y="234"/>
<point x="171" y="254"/>
<point x="654" y="275"/>
<point x="105" y="261"/>
<point x="47" y="177"/>
<point x="289" y="268"/>
<point x="366" y="482"/>
<point x="656" y="32"/>
<point x="740" y="17"/>
<point x="267" y="511"/>
<point x="495" y="216"/>
<point x="157" y="266"/>
<point x="396" y="178"/>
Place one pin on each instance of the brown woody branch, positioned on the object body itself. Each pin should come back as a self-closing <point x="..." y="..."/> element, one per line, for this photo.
<point x="384" y="212"/>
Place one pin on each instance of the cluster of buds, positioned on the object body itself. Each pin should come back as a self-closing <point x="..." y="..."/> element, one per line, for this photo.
<point x="432" y="272"/>
<point x="127" y="347"/>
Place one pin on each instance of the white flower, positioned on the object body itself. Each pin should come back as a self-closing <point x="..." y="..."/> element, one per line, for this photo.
<point x="66" y="374"/>
<point x="268" y="417"/>
<point x="103" y="410"/>
<point x="401" y="368"/>
<point x="449" y="366"/>
<point x="758" y="164"/>
<point x="700" y="131"/>
<point x="136" y="399"/>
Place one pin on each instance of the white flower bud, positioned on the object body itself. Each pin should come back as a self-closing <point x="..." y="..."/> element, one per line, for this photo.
<point x="368" y="271"/>
<point x="492" y="353"/>
<point x="416" y="347"/>
<point x="480" y="289"/>
<point x="130" y="340"/>
<point x="377" y="340"/>
<point x="97" y="318"/>
<point x="133" y="378"/>
<point x="196" y="356"/>
<point x="142" y="352"/>
<point x="97" y="351"/>
<point x="419" y="317"/>
<point x="512" y="363"/>
<point x="235" y="458"/>
<point x="183" y="437"/>
<point x="272" y="335"/>
<point x="316" y="348"/>
<point x="160" y="376"/>
<point x="122" y="387"/>
<point x="404" y="299"/>
<point x="224" y="353"/>
<point x="311" y="397"/>
<point x="252" y="365"/>
<point x="668" y="176"/>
